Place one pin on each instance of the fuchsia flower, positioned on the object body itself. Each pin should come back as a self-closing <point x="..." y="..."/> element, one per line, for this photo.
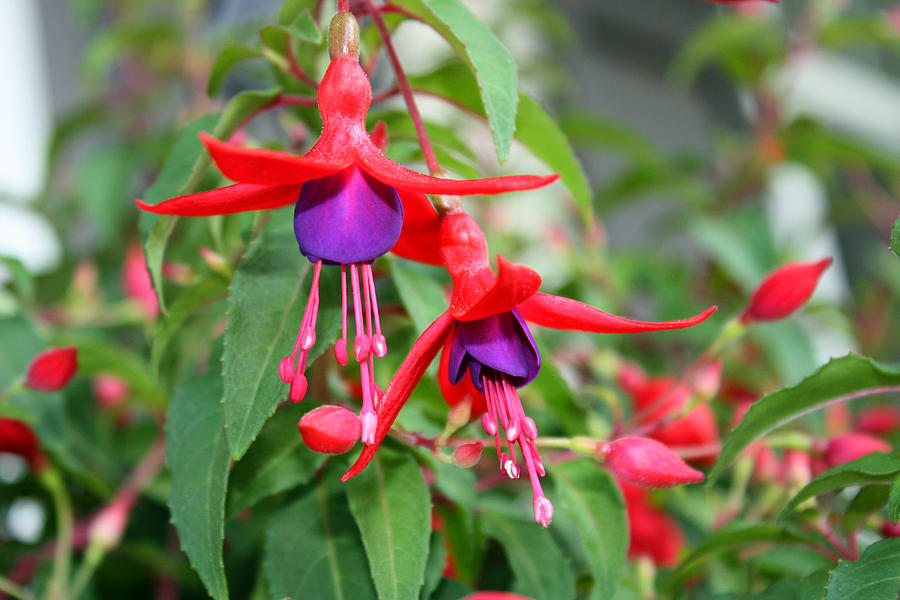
<point x="351" y="205"/>
<point x="485" y="334"/>
<point x="17" y="438"/>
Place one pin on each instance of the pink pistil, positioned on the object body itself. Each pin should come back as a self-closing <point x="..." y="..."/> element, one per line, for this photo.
<point x="504" y="406"/>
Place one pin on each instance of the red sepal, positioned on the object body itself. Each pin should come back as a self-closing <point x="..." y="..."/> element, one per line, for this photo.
<point x="227" y="200"/>
<point x="454" y="394"/>
<point x="388" y="172"/>
<point x="261" y="166"/>
<point x="563" y="313"/>
<point x="421" y="230"/>
<point x="402" y="385"/>
<point x="512" y="285"/>
<point x="378" y="135"/>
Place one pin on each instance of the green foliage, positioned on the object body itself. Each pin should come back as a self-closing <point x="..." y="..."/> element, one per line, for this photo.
<point x="872" y="468"/>
<point x="877" y="572"/>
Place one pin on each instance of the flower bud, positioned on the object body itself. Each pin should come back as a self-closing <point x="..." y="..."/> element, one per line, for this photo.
<point x="343" y="36"/>
<point x="51" y="370"/>
<point x="648" y="463"/>
<point x="17" y="438"/>
<point x="467" y="455"/>
<point x="109" y="525"/>
<point x="110" y="390"/>
<point x="796" y="468"/>
<point x="784" y="290"/>
<point x="329" y="429"/>
<point x="136" y="282"/>
<point x="850" y="446"/>
<point x="878" y="420"/>
<point x="890" y="530"/>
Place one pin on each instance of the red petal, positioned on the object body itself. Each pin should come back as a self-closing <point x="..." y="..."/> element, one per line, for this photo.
<point x="454" y="394"/>
<point x="564" y="313"/>
<point x="421" y="230"/>
<point x="387" y="171"/>
<point x="269" y="167"/>
<point x="402" y="385"/>
<point x="224" y="201"/>
<point x="513" y="284"/>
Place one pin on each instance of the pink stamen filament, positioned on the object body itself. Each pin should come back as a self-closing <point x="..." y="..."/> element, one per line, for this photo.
<point x="306" y="339"/>
<point x="361" y="343"/>
<point x="379" y="345"/>
<point x="340" y="347"/>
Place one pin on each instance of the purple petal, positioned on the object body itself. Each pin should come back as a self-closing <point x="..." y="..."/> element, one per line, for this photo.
<point x="346" y="218"/>
<point x="500" y="342"/>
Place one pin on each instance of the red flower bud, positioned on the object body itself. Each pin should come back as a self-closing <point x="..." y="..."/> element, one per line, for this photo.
<point x="648" y="463"/>
<point x="17" y="438"/>
<point x="878" y="420"/>
<point x="110" y="390"/>
<point x="796" y="468"/>
<point x="850" y="446"/>
<point x="330" y="429"/>
<point x="52" y="370"/>
<point x="495" y="596"/>
<point x="890" y="530"/>
<point x="136" y="282"/>
<point x="784" y="290"/>
<point x="467" y="455"/>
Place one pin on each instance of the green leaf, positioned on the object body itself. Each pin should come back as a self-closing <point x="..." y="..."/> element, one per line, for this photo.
<point x="292" y="9"/>
<point x="265" y="307"/>
<point x="868" y="500"/>
<point x="895" y="237"/>
<point x="839" y="380"/>
<point x="303" y="27"/>
<point x="225" y="62"/>
<point x="590" y="498"/>
<point x="894" y="500"/>
<point x="277" y="461"/>
<point x="183" y="166"/>
<point x="21" y="276"/>
<point x="313" y="550"/>
<point x="813" y="586"/>
<point x="97" y="356"/>
<point x="434" y="569"/>
<point x="392" y="507"/>
<point x="197" y="455"/>
<point x="540" y="134"/>
<point x="534" y="128"/>
<point x="733" y="536"/>
<point x="875" y="576"/>
<point x="538" y="563"/>
<point x="422" y="296"/>
<point x="556" y="393"/>
<point x="21" y="343"/>
<point x="872" y="468"/>
<point x="485" y="55"/>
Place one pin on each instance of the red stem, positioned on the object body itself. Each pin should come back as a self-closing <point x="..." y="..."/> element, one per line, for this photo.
<point x="406" y="90"/>
<point x="343" y="5"/>
<point x="296" y="70"/>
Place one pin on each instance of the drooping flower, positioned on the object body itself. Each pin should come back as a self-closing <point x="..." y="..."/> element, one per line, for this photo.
<point x="484" y="333"/>
<point x="351" y="205"/>
<point x="52" y="369"/>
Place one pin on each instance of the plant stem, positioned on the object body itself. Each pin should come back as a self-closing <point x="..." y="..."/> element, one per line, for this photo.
<point x="62" y="560"/>
<point x="14" y="590"/>
<point x="92" y="559"/>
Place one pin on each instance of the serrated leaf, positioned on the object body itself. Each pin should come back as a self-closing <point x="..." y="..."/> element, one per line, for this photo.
<point x="733" y="536"/>
<point x="485" y="55"/>
<point x="840" y="379"/>
<point x="535" y="128"/>
<point x="392" y="507"/>
<point x="894" y="500"/>
<point x="872" y="468"/>
<point x="590" y="498"/>
<point x="813" y="586"/>
<point x="225" y="61"/>
<point x="895" y="237"/>
<point x="197" y="455"/>
<point x="538" y="563"/>
<point x="313" y="550"/>
<point x="875" y="576"/>
<point x="265" y="307"/>
<point x="277" y="461"/>
<point x="422" y="296"/>
<point x="434" y="569"/>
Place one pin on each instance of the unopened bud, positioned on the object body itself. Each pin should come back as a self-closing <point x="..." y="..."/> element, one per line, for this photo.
<point x="51" y="370"/>
<point x="17" y="438"/>
<point x="467" y="455"/>
<point x="109" y="390"/>
<point x="136" y="282"/>
<point x="708" y="380"/>
<point x="648" y="463"/>
<point x="215" y="261"/>
<point x="343" y="36"/>
<point x="109" y="525"/>
<point x="850" y="446"/>
<point x="784" y="290"/>
<point x="460" y="414"/>
<point x="879" y="420"/>
<point x="797" y="468"/>
<point x="330" y="429"/>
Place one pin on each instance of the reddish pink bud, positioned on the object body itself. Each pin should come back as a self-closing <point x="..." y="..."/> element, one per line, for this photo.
<point x="784" y="290"/>
<point x="796" y="468"/>
<point x="109" y="390"/>
<point x="468" y="455"/>
<point x="648" y="463"/>
<point x="878" y="420"/>
<point x="136" y="282"/>
<point x="890" y="530"/>
<point x="495" y="596"/>
<point x="850" y="446"/>
<point x="330" y="429"/>
<point x="17" y="438"/>
<point x="765" y="465"/>
<point x="109" y="525"/>
<point x="694" y="430"/>
<point x="52" y="370"/>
